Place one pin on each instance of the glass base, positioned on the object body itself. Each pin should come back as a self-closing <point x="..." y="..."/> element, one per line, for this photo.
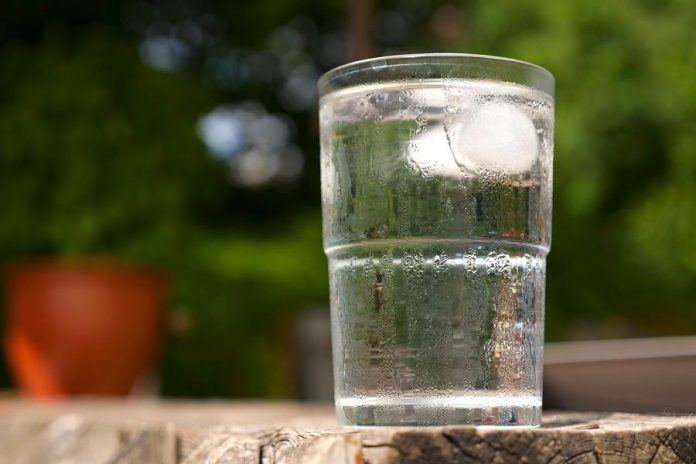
<point x="479" y="410"/>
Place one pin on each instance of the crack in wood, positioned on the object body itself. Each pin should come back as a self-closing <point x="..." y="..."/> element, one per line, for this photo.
<point x="454" y="442"/>
<point x="688" y="443"/>
<point x="384" y="445"/>
<point x="657" y="448"/>
<point x="601" y="439"/>
<point x="592" y="452"/>
<point x="132" y="444"/>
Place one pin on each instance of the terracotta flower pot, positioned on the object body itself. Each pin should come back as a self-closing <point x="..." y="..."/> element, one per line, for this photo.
<point x="81" y="329"/>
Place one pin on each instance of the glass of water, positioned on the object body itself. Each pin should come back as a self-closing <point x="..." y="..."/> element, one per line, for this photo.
<point x="436" y="196"/>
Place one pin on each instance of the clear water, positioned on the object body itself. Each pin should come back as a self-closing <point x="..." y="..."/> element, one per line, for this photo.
<point x="437" y="201"/>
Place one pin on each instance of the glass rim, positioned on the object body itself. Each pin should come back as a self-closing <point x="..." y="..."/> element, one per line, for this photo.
<point x="538" y="77"/>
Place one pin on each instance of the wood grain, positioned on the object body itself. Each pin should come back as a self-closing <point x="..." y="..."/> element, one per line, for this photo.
<point x="116" y="432"/>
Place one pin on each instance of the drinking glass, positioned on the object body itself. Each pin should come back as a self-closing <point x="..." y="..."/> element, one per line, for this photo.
<point x="436" y="197"/>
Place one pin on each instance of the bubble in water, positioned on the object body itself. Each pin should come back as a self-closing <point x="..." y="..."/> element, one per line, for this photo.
<point x="421" y="122"/>
<point x="439" y="260"/>
<point x="503" y="264"/>
<point x="414" y="264"/>
<point x="386" y="264"/>
<point x="498" y="264"/>
<point x="369" y="267"/>
<point x="375" y="98"/>
<point x="469" y="261"/>
<point x="407" y="261"/>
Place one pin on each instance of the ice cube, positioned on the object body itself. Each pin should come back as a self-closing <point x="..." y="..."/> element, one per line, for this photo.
<point x="499" y="137"/>
<point x="430" y="152"/>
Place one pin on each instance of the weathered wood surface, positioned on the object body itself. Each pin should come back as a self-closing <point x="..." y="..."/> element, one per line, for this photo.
<point x="98" y="432"/>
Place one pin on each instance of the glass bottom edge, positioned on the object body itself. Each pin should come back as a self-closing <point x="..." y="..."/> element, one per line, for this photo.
<point x="489" y="412"/>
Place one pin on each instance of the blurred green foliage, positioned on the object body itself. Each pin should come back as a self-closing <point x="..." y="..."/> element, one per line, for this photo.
<point x="89" y="165"/>
<point x="240" y="289"/>
<point x="623" y="255"/>
<point x="99" y="157"/>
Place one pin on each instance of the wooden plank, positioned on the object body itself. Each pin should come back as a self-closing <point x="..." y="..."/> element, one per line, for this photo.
<point x="291" y="433"/>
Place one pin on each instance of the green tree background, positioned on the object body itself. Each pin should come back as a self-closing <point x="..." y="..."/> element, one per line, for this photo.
<point x="99" y="156"/>
<point x="623" y="256"/>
